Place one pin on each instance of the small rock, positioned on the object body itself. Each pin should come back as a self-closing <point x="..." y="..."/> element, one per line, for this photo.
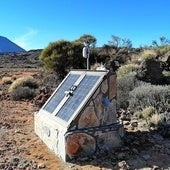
<point x="107" y="165"/>
<point x="123" y="165"/>
<point x="155" y="167"/>
<point x="134" y="123"/>
<point x="158" y="137"/>
<point x="125" y="148"/>
<point x="41" y="166"/>
<point x="34" y="165"/>
<point x="134" y="150"/>
<point x="16" y="131"/>
<point x="2" y="161"/>
<point x="2" y="165"/>
<point x="15" y="161"/>
<point x="126" y="122"/>
<point x="136" y="143"/>
<point x="83" y="159"/>
<point x="121" y="156"/>
<point x="145" y="155"/>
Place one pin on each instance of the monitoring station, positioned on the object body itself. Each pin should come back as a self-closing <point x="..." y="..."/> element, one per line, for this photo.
<point x="79" y="119"/>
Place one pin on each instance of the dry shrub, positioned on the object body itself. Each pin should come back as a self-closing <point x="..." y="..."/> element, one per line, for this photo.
<point x="95" y="66"/>
<point x="148" y="112"/>
<point x="150" y="95"/>
<point x="155" y="118"/>
<point x="23" y="93"/>
<point x="124" y="86"/>
<point x="6" y="80"/>
<point x="138" y="115"/>
<point x="166" y="73"/>
<point x="147" y="55"/>
<point x="162" y="50"/>
<point x="23" y="88"/>
<point x="148" y="117"/>
<point x="135" y="59"/>
<point x="151" y="104"/>
<point x="127" y="70"/>
<point x="23" y="81"/>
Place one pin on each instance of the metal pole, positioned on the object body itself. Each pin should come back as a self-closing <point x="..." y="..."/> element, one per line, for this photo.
<point x="88" y="57"/>
<point x="88" y="63"/>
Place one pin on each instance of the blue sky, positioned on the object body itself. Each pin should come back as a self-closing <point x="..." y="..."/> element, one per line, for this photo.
<point x="33" y="24"/>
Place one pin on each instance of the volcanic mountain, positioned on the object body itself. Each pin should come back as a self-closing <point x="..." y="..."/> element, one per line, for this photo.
<point x="7" y="46"/>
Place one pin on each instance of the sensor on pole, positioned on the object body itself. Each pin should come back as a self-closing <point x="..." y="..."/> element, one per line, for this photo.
<point x="86" y="55"/>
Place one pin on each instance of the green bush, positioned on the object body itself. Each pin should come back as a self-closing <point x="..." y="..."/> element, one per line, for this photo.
<point x="51" y="80"/>
<point x="150" y="95"/>
<point x="124" y="86"/>
<point x="61" y="56"/>
<point x="23" y="93"/>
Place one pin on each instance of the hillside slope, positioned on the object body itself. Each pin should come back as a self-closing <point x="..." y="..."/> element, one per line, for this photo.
<point x="27" y="59"/>
<point x="7" y="46"/>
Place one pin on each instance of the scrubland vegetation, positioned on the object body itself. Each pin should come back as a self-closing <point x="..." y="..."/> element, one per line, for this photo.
<point x="143" y="88"/>
<point x="143" y="74"/>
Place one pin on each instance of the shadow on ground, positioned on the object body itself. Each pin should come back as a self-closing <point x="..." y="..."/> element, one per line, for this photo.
<point x="141" y="150"/>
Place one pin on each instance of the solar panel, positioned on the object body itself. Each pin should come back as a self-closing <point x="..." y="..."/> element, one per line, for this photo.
<point x="74" y="101"/>
<point x="60" y="93"/>
<point x="72" y="95"/>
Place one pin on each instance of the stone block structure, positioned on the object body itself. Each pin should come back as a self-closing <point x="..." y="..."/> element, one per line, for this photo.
<point x="83" y="120"/>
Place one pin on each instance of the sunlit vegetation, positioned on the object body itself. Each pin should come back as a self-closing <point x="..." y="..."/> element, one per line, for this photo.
<point x="143" y="74"/>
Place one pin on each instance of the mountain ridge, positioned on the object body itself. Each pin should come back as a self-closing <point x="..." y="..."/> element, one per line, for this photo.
<point x="7" y="46"/>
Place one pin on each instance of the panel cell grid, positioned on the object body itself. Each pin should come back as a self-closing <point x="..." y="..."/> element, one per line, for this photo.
<point x="59" y="94"/>
<point x="72" y="104"/>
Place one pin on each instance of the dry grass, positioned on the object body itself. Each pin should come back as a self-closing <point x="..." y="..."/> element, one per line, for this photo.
<point x="147" y="112"/>
<point x="155" y="118"/>
<point x="147" y="55"/>
<point x="19" y="82"/>
<point x="6" y="80"/>
<point x="127" y="70"/>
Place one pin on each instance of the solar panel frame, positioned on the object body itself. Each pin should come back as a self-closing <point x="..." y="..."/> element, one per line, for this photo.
<point x="82" y="74"/>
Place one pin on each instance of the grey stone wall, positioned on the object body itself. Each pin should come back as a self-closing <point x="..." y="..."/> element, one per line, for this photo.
<point x="96" y="127"/>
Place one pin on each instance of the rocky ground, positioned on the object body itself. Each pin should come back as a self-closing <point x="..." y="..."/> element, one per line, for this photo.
<point x="21" y="149"/>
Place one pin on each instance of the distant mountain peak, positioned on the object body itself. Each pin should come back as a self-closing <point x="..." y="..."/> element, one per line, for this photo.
<point x="7" y="46"/>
